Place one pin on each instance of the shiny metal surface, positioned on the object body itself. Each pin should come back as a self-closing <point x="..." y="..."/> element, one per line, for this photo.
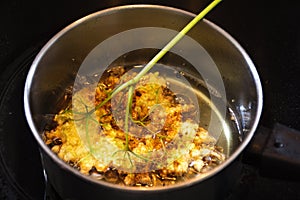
<point x="56" y="65"/>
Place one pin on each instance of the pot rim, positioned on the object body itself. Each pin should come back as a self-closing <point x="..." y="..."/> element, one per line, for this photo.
<point x="201" y="177"/>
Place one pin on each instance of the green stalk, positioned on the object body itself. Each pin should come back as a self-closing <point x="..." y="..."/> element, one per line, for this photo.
<point x="162" y="52"/>
<point x="127" y="115"/>
<point x="174" y="41"/>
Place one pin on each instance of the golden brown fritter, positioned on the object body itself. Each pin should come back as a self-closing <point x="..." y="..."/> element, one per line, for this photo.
<point x="156" y="125"/>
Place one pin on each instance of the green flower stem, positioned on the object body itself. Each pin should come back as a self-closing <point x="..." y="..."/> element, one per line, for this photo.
<point x="161" y="53"/>
<point x="174" y="41"/>
<point x="127" y="115"/>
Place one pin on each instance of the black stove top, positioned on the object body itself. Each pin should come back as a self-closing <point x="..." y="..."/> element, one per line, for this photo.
<point x="269" y="31"/>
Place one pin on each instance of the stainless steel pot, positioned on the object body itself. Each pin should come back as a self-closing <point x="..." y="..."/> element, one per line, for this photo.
<point x="56" y="66"/>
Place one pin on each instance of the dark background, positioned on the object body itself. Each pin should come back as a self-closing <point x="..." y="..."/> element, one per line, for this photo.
<point x="268" y="30"/>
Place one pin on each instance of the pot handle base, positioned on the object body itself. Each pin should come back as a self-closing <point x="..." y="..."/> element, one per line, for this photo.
<point x="276" y="152"/>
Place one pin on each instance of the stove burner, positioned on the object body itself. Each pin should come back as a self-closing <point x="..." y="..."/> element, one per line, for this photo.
<point x="20" y="166"/>
<point x="21" y="172"/>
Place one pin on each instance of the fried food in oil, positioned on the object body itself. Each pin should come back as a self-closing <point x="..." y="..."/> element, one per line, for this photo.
<point x="157" y="118"/>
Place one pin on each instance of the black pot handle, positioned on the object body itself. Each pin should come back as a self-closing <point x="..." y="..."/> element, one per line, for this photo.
<point x="276" y="152"/>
